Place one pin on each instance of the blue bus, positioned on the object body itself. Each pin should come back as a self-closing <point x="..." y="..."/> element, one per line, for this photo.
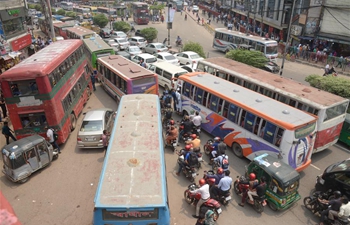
<point x="133" y="188"/>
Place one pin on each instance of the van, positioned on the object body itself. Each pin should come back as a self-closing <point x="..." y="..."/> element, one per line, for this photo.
<point x="167" y="73"/>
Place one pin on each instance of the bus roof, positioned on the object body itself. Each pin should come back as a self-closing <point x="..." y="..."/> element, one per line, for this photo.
<point x="310" y="95"/>
<point x="106" y="8"/>
<point x="133" y="174"/>
<point x="139" y="3"/>
<point x="66" y="18"/>
<point x="263" y="106"/>
<point x="78" y="30"/>
<point x="42" y="62"/>
<point x="95" y="44"/>
<point x="124" y="67"/>
<point x="62" y="24"/>
<point x="243" y="35"/>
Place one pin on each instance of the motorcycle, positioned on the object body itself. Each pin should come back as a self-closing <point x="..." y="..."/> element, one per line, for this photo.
<point x="224" y="199"/>
<point x="330" y="72"/>
<point x="208" y="147"/>
<point x="178" y="43"/>
<point x="314" y="205"/>
<point x="193" y="199"/>
<point x="199" y="156"/>
<point x="196" y="130"/>
<point x="190" y="172"/>
<point x="241" y="188"/>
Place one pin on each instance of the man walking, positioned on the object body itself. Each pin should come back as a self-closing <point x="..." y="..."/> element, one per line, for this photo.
<point x="3" y="107"/>
<point x="8" y="133"/>
<point x="105" y="140"/>
<point x="51" y="139"/>
<point x="93" y="80"/>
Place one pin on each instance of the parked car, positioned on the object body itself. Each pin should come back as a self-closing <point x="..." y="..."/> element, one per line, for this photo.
<point x="105" y="33"/>
<point x="155" y="47"/>
<point x="122" y="43"/>
<point x="147" y="58"/>
<point x="119" y="34"/>
<point x="110" y="42"/>
<point x="167" y="57"/>
<point x="138" y="33"/>
<point x="188" y="58"/>
<point x="188" y="68"/>
<point x="195" y="8"/>
<point x="94" y="122"/>
<point x="123" y="53"/>
<point x="133" y="50"/>
<point x="138" y="41"/>
<point x="335" y="177"/>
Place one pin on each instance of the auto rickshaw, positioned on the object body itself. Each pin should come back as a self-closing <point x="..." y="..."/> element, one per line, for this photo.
<point x="25" y="156"/>
<point x="281" y="179"/>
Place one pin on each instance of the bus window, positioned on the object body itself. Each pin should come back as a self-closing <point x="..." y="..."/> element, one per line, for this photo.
<point x="279" y="137"/>
<point x="269" y="132"/>
<point x="256" y="125"/>
<point x="269" y="93"/>
<point x="192" y="92"/>
<point x="206" y="96"/>
<point x="238" y="81"/>
<point x="261" y="90"/>
<point x="262" y="130"/>
<point x="218" y="35"/>
<point x="221" y="74"/>
<point x="219" y="111"/>
<point x="233" y="113"/>
<point x="187" y="89"/>
<point x="292" y="103"/>
<point x="226" y="107"/>
<point x="248" y="85"/>
<point x="214" y="103"/>
<point x="231" y="78"/>
<point x="199" y="96"/>
<point x="211" y="70"/>
<point x="249" y="122"/>
<point x="260" y="47"/>
<point x="242" y="118"/>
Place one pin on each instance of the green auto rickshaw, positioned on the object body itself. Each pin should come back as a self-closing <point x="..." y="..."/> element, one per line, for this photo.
<point x="281" y="179"/>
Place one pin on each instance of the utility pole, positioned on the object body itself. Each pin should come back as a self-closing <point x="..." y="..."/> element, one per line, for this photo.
<point x="288" y="34"/>
<point x="254" y="22"/>
<point x="169" y="24"/>
<point x="246" y="27"/>
<point x="262" y="18"/>
<point x="46" y="7"/>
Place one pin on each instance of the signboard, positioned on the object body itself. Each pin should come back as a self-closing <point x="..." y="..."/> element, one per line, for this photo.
<point x="170" y="17"/>
<point x="21" y="42"/>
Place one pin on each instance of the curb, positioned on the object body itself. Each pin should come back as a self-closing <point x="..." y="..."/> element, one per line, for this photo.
<point x="208" y="27"/>
<point x="317" y="66"/>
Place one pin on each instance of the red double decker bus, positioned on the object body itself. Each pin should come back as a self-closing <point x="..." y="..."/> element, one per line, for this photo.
<point x="60" y="29"/>
<point x="140" y="12"/>
<point x="50" y="88"/>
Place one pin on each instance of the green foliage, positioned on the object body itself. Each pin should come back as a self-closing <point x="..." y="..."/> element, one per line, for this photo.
<point x="122" y="26"/>
<point x="70" y="14"/>
<point x="252" y="58"/>
<point x="194" y="47"/>
<point x="38" y="8"/>
<point x="336" y="85"/>
<point x="31" y="6"/>
<point x="157" y="7"/>
<point x="100" y="20"/>
<point x="149" y="33"/>
<point x="61" y="12"/>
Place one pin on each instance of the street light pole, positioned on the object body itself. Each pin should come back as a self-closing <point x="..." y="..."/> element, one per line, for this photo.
<point x="262" y="17"/>
<point x="287" y="41"/>
<point x="169" y="23"/>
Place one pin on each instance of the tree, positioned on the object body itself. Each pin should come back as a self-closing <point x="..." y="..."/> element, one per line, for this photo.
<point x="101" y="20"/>
<point x="194" y="47"/>
<point x="38" y="8"/>
<point x="149" y="33"/>
<point x="121" y="26"/>
<point x="335" y="85"/>
<point x="31" y="6"/>
<point x="252" y="58"/>
<point x="70" y="14"/>
<point x="61" y="12"/>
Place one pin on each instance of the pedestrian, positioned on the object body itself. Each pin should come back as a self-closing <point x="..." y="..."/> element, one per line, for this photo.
<point x="198" y="20"/>
<point x="3" y="106"/>
<point x="51" y="138"/>
<point x="142" y="63"/>
<point x="162" y="18"/>
<point x="105" y="140"/>
<point x="181" y="12"/>
<point x="178" y="101"/>
<point x="93" y="81"/>
<point x="185" y="17"/>
<point x="340" y="61"/>
<point x="202" y="21"/>
<point x="173" y="95"/>
<point x="8" y="133"/>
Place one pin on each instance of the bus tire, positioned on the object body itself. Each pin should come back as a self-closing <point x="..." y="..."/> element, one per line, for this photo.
<point x="73" y="122"/>
<point x="237" y="150"/>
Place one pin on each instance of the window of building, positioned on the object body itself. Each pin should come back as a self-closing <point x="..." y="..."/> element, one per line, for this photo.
<point x="13" y="27"/>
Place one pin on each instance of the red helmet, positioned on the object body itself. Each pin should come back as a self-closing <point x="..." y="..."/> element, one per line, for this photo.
<point x="201" y="182"/>
<point x="188" y="147"/>
<point x="193" y="136"/>
<point x="216" y="139"/>
<point x="252" y="176"/>
<point x="220" y="171"/>
<point x="172" y="122"/>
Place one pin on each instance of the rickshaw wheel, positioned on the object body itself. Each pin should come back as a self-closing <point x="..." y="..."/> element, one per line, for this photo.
<point x="237" y="150"/>
<point x="272" y="206"/>
<point x="23" y="180"/>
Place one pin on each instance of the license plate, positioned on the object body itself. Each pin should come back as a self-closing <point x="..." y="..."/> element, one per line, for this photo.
<point x="200" y="159"/>
<point x="194" y="174"/>
<point x="89" y="139"/>
<point x="228" y="198"/>
<point x="219" y="210"/>
<point x="174" y="144"/>
<point x="198" y="130"/>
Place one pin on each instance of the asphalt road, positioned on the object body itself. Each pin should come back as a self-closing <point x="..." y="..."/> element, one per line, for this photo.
<point x="63" y="193"/>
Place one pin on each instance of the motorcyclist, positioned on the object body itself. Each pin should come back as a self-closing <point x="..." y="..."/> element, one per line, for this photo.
<point x="195" y="143"/>
<point x="172" y="135"/>
<point x="253" y="182"/>
<point x="258" y="191"/>
<point x="215" y="149"/>
<point x="344" y="211"/>
<point x="222" y="159"/>
<point x="224" y="185"/>
<point x="187" y="124"/>
<point x="205" y="195"/>
<point x="334" y="206"/>
<point x="218" y="176"/>
<point x="197" y="119"/>
<point x="178" y="40"/>
<point x="186" y="154"/>
<point x="168" y="113"/>
<point x="166" y="98"/>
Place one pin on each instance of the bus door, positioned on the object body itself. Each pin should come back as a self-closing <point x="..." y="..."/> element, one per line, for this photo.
<point x="32" y="158"/>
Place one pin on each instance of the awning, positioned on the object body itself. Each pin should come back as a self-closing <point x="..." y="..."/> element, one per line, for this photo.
<point x="6" y="57"/>
<point x="334" y="38"/>
<point x="306" y="38"/>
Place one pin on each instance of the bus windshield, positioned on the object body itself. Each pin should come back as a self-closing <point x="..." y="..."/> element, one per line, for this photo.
<point x="271" y="50"/>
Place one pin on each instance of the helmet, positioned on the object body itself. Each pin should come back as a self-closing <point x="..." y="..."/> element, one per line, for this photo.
<point x="252" y="176"/>
<point x="337" y="194"/>
<point x="193" y="136"/>
<point x="171" y="122"/>
<point x="168" y="105"/>
<point x="201" y="182"/>
<point x="220" y="171"/>
<point x="216" y="139"/>
<point x="188" y="147"/>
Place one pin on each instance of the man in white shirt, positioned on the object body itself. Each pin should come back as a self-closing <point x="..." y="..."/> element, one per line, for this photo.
<point x="197" y="119"/>
<point x="51" y="139"/>
<point x="344" y="211"/>
<point x="205" y="195"/>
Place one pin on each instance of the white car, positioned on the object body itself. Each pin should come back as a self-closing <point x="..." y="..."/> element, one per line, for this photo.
<point x="152" y="48"/>
<point x="120" y="34"/>
<point x="133" y="50"/>
<point x="147" y="58"/>
<point x="195" y="8"/>
<point x="122" y="42"/>
<point x="188" y="58"/>
<point x="138" y="41"/>
<point x="167" y="57"/>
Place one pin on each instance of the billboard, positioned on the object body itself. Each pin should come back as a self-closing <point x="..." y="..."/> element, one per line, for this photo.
<point x="9" y="4"/>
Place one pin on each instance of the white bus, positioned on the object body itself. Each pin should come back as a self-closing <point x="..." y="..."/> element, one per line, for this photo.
<point x="226" y="40"/>
<point x="68" y="6"/>
<point x="329" y="108"/>
<point x="248" y="122"/>
<point x="106" y="10"/>
<point x="82" y="11"/>
<point x="167" y="73"/>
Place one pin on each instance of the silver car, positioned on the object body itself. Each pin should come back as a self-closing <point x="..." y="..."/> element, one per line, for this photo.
<point x="122" y="43"/>
<point x="152" y="48"/>
<point x="94" y="122"/>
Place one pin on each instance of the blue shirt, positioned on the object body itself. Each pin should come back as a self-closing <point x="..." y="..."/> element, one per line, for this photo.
<point x="225" y="183"/>
<point x="217" y="177"/>
<point x="215" y="145"/>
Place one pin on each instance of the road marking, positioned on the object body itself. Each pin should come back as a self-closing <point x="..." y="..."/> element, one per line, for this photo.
<point x="343" y="148"/>
<point x="315" y="167"/>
